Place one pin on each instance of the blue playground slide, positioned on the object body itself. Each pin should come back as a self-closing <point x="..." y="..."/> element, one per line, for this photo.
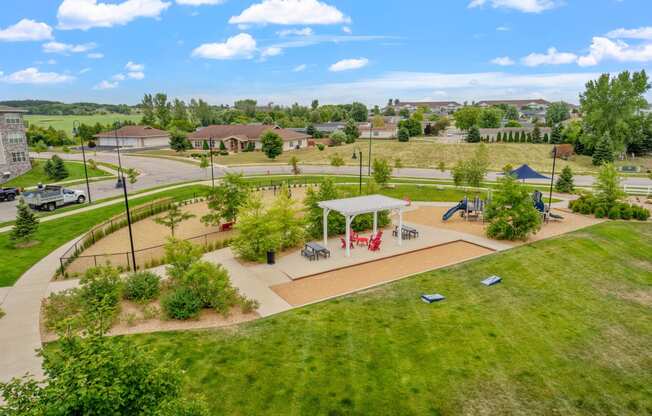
<point x="452" y="211"/>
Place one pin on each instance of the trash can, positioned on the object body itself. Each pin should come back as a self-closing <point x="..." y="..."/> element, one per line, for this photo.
<point x="271" y="257"/>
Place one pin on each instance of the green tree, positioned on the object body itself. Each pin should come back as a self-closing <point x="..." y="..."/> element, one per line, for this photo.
<point x="257" y="232"/>
<point x="413" y="126"/>
<point x="556" y="113"/>
<point x="511" y="213"/>
<point x="336" y="160"/>
<point x="272" y="144"/>
<point x="147" y="106"/>
<point x="398" y="164"/>
<point x="467" y="117"/>
<point x="203" y="163"/>
<point x="513" y="123"/>
<point x="294" y="162"/>
<point x="556" y="134"/>
<point x="314" y="214"/>
<point x="359" y="112"/>
<point x="288" y="224"/>
<point x="403" y="134"/>
<point x="179" y="140"/>
<point x="477" y="166"/>
<point x="603" y="152"/>
<point x="97" y="375"/>
<point x="351" y="130"/>
<point x="610" y="105"/>
<point x="173" y="218"/>
<point x="26" y="224"/>
<point x="536" y="135"/>
<point x="56" y="169"/>
<point x="40" y="147"/>
<point x="473" y="135"/>
<point x="490" y="118"/>
<point x="565" y="183"/>
<point x="226" y="199"/>
<point x="180" y="255"/>
<point x="162" y="110"/>
<point x="337" y="138"/>
<point x="511" y="113"/>
<point x="609" y="190"/>
<point x="382" y="171"/>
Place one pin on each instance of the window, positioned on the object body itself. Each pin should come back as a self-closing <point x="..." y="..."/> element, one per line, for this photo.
<point x="12" y="119"/>
<point x="17" y="157"/>
<point x="14" y="138"/>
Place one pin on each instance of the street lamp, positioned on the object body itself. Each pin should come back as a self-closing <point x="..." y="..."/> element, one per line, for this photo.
<point x="552" y="178"/>
<point x="371" y="130"/>
<point x="210" y="150"/>
<point x="75" y="132"/>
<point x="121" y="179"/>
<point x="358" y="156"/>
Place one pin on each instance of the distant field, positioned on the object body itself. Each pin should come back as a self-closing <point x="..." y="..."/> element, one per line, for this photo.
<point x="65" y="122"/>
<point x="421" y="154"/>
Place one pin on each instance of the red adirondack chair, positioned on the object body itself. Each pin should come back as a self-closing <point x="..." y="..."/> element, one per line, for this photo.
<point x="344" y="243"/>
<point x="374" y="245"/>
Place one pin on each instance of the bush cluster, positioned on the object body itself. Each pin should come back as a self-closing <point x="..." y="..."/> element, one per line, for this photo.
<point x="142" y="287"/>
<point x="589" y="204"/>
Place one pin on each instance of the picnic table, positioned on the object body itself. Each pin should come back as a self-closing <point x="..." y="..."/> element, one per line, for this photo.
<point x="313" y="250"/>
<point x="407" y="232"/>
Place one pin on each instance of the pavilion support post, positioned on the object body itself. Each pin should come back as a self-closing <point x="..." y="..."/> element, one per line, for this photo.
<point x="348" y="236"/>
<point x="375" y="222"/>
<point x="400" y="227"/>
<point x="325" y="221"/>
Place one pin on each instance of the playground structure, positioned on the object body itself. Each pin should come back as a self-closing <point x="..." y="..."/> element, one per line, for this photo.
<point x="469" y="210"/>
<point x="537" y="198"/>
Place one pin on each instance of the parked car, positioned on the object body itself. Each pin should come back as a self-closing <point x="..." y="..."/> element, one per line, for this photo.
<point x="8" y="194"/>
<point x="51" y="197"/>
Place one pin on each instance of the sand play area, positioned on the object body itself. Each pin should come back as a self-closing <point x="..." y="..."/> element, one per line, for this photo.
<point x="432" y="216"/>
<point x="352" y="278"/>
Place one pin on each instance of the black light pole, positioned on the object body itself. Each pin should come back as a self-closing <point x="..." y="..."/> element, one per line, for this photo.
<point x="75" y="132"/>
<point x="121" y="178"/>
<point x="371" y="130"/>
<point x="552" y="179"/>
<point x="354" y="157"/>
<point x="211" y="152"/>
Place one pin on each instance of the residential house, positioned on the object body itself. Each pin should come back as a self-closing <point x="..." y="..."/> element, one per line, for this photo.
<point x="437" y="107"/>
<point x="239" y="137"/>
<point x="135" y="137"/>
<point x="388" y="131"/>
<point x="14" y="155"/>
<point x="528" y="109"/>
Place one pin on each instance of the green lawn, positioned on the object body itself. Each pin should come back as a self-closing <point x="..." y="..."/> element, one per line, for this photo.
<point x="420" y="154"/>
<point x="567" y="332"/>
<point x="36" y="175"/>
<point x="53" y="234"/>
<point x="65" y="122"/>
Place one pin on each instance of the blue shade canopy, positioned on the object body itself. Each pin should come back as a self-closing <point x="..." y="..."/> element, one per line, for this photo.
<point x="525" y="172"/>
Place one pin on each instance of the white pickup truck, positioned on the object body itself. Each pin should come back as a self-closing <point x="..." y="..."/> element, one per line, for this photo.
<point x="51" y="197"/>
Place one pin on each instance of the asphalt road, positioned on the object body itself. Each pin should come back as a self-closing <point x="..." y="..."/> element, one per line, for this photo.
<point x="158" y="172"/>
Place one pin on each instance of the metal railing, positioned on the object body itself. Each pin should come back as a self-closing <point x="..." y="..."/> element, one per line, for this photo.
<point x="638" y="190"/>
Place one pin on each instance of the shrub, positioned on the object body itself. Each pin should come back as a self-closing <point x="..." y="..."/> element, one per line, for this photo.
<point x="320" y="146"/>
<point x="100" y="287"/>
<point x="585" y="208"/>
<point x="60" y="309"/>
<point x="180" y="255"/>
<point x="403" y="134"/>
<point x="626" y="212"/>
<point x="641" y="214"/>
<point x="600" y="212"/>
<point x="614" y="213"/>
<point x="337" y="138"/>
<point x="577" y="206"/>
<point x="210" y="285"/>
<point x="142" y="286"/>
<point x="181" y="303"/>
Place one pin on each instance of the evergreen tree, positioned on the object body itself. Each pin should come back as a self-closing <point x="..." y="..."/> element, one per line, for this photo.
<point x="222" y="146"/>
<point x="536" y="135"/>
<point x="565" y="181"/>
<point x="403" y="134"/>
<point x="603" y="152"/>
<point x="499" y="137"/>
<point x="473" y="136"/>
<point x="26" y="223"/>
<point x="510" y="138"/>
<point x="58" y="169"/>
<point x="204" y="145"/>
<point x="528" y="138"/>
<point x="546" y="138"/>
<point x="556" y="134"/>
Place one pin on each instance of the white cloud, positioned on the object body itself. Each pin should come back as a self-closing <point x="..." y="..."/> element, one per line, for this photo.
<point x="26" y="30"/>
<point x="639" y="33"/>
<point x="503" y="29"/>
<point x="106" y="85"/>
<point x="290" y="12"/>
<point x="300" y="68"/>
<point x="306" y="31"/>
<point x="271" y="51"/>
<point x="119" y="77"/>
<point x="349" y="64"/>
<point x="34" y="76"/>
<point x="602" y="48"/>
<point x="199" y="2"/>
<point x="136" y="75"/>
<point x="66" y="48"/>
<point x="551" y="57"/>
<point x="86" y="14"/>
<point x="241" y="46"/>
<point x="525" y="6"/>
<point x="134" y="67"/>
<point x="85" y="70"/>
<point x="503" y="61"/>
<point x="52" y="62"/>
<point x="95" y="55"/>
<point x="347" y="29"/>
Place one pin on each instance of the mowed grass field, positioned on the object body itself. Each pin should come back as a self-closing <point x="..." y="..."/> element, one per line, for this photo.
<point x="567" y="332"/>
<point x="65" y="122"/>
<point x="419" y="154"/>
<point x="37" y="174"/>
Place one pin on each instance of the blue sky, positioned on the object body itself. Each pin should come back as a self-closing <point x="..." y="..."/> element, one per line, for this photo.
<point x="286" y="51"/>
